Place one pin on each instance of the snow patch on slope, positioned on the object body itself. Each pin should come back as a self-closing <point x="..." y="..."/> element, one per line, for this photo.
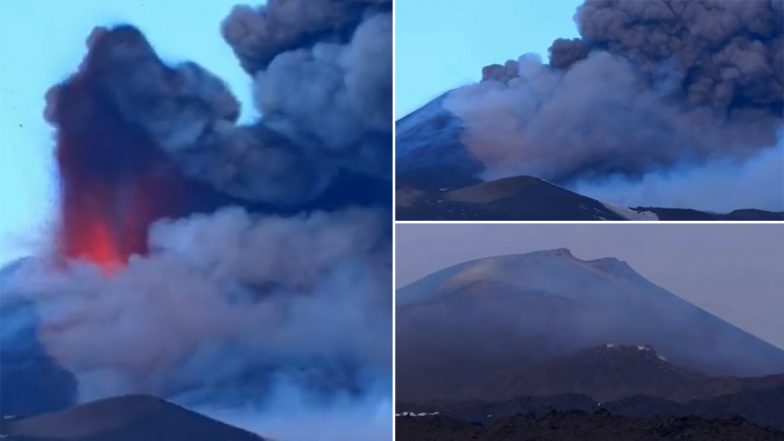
<point x="629" y="214"/>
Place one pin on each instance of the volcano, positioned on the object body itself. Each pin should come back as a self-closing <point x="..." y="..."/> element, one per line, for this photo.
<point x="438" y="179"/>
<point x="468" y="324"/>
<point x="115" y="177"/>
<point x="131" y="417"/>
<point x="612" y="372"/>
<point x="579" y="426"/>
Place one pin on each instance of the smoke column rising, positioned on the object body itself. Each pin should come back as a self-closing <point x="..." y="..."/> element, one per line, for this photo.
<point x="649" y="86"/>
<point x="234" y="268"/>
<point x="115" y="179"/>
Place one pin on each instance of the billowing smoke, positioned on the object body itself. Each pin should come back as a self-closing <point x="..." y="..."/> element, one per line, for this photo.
<point x="115" y="120"/>
<point x="231" y="294"/>
<point x="322" y="73"/>
<point x="217" y="264"/>
<point x="259" y="34"/>
<point x="326" y="112"/>
<point x="649" y="86"/>
<point x="717" y="185"/>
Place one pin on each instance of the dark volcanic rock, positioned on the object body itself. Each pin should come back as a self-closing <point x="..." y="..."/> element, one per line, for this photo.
<point x="580" y="426"/>
<point x="484" y="412"/>
<point x="762" y="407"/>
<point x="521" y="197"/>
<point x="525" y="198"/>
<point x="736" y="215"/>
<point x="429" y="153"/>
<point x="433" y="166"/>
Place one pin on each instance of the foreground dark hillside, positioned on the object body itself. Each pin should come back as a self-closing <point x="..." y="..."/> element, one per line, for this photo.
<point x="531" y="198"/>
<point x="764" y="407"/>
<point x="581" y="426"/>
<point x="126" y="418"/>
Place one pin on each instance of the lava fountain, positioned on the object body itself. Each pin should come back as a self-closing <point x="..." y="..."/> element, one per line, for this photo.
<point x="114" y="180"/>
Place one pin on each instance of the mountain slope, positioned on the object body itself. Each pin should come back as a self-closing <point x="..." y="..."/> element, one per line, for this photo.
<point x="428" y="151"/>
<point x="604" y="373"/>
<point x="521" y="197"/>
<point x="611" y="372"/>
<point x="131" y="418"/>
<point x="735" y="215"/>
<point x="438" y="179"/>
<point x="761" y="406"/>
<point x="530" y="198"/>
<point x="580" y="426"/>
<point x="466" y="324"/>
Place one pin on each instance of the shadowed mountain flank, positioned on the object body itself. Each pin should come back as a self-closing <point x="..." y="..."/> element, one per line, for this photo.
<point x="520" y="325"/>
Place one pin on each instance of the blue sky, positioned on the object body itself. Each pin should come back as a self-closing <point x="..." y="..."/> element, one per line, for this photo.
<point x="41" y="43"/>
<point x="441" y="44"/>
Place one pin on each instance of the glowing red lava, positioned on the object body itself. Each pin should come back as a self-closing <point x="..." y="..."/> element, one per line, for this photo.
<point x="105" y="218"/>
<point x="115" y="178"/>
<point x="97" y="245"/>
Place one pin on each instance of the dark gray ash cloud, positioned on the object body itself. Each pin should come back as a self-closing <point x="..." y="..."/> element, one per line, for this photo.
<point x="649" y="86"/>
<point x="259" y="34"/>
<point x="326" y="108"/>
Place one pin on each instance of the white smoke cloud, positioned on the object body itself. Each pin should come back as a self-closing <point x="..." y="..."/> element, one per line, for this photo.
<point x="594" y="119"/>
<point x="719" y="186"/>
<point x="340" y="418"/>
<point x="278" y="312"/>
<point x="648" y="88"/>
<point x="223" y="306"/>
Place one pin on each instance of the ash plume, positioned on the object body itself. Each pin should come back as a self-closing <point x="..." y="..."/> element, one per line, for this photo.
<point x="649" y="86"/>
<point x="223" y="265"/>
<point x="717" y="185"/>
<point x="230" y="293"/>
<point x="259" y="34"/>
<point x="290" y="157"/>
<point x="117" y="120"/>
